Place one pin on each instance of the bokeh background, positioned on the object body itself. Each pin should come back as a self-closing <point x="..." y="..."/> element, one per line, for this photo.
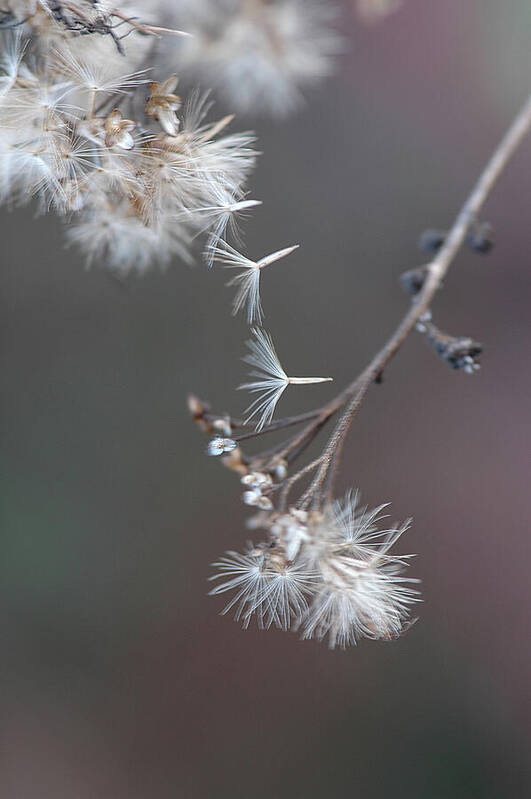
<point x="119" y="678"/>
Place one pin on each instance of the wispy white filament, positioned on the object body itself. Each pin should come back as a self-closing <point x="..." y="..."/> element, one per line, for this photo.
<point x="274" y="595"/>
<point x="272" y="379"/>
<point x="248" y="281"/>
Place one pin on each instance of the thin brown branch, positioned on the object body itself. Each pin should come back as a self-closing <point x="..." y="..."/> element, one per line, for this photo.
<point x="353" y="395"/>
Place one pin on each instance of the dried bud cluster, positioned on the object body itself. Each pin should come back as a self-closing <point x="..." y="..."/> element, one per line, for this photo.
<point x="459" y="352"/>
<point x="327" y="573"/>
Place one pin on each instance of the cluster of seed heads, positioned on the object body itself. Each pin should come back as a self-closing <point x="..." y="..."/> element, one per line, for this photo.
<point x="139" y="174"/>
<point x="326" y="574"/>
<point x="136" y="172"/>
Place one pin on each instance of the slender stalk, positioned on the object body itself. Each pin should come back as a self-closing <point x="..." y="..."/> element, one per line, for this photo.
<point x="277" y="424"/>
<point x="288" y="484"/>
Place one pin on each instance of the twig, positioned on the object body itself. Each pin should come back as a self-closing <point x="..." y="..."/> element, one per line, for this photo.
<point x="436" y="270"/>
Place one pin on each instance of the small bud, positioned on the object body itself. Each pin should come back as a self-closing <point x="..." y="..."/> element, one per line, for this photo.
<point x="481" y="238"/>
<point x="257" y="480"/>
<point x="413" y="280"/>
<point x="195" y="406"/>
<point x="432" y="240"/>
<point x="280" y="470"/>
<point x="220" y="446"/>
<point x="235" y="461"/>
<point x="198" y="409"/>
<point x="470" y="365"/>
<point x="251" y="497"/>
<point x="222" y="426"/>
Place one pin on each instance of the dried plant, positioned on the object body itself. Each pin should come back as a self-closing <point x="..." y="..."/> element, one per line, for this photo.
<point x="248" y="281"/>
<point x="325" y="568"/>
<point x="139" y="175"/>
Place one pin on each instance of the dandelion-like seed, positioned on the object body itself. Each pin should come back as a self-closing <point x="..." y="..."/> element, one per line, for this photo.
<point x="221" y="216"/>
<point x="357" y="524"/>
<point x="96" y="77"/>
<point x="248" y="281"/>
<point x="272" y="379"/>
<point x="358" y="601"/>
<point x="265" y="587"/>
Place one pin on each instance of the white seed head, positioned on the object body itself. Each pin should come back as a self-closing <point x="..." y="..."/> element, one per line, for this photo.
<point x="73" y="135"/>
<point x="351" y="584"/>
<point x="273" y="593"/>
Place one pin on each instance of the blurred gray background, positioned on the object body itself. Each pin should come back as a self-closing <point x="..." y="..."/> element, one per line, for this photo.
<point x="119" y="678"/>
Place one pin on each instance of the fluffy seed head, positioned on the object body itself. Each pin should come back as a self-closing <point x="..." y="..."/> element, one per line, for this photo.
<point x="327" y="573"/>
